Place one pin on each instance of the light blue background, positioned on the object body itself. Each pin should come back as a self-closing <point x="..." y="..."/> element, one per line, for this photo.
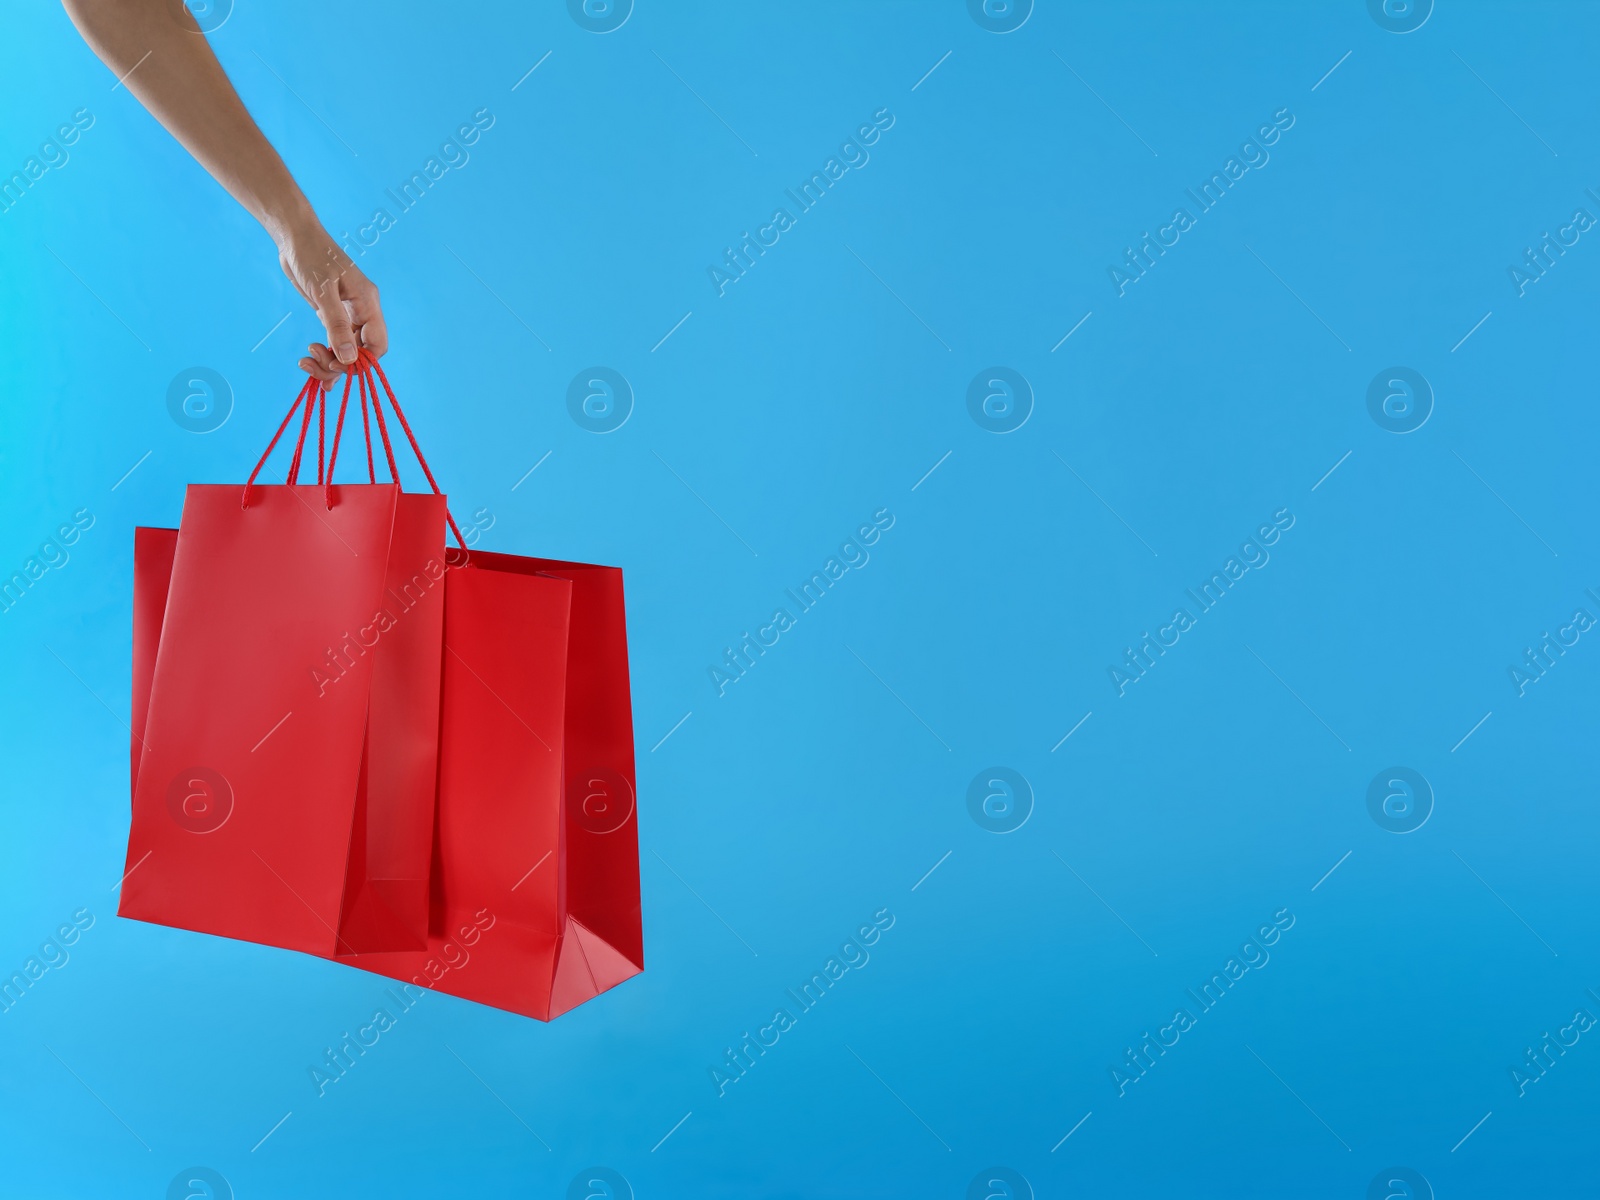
<point x="777" y="818"/>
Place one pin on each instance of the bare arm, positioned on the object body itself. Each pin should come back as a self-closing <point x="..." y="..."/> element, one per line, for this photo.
<point x="156" y="47"/>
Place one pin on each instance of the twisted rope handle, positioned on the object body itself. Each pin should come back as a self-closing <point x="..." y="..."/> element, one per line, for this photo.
<point x="338" y="431"/>
<point x="370" y="363"/>
<point x="320" y="400"/>
<point x="306" y="391"/>
<point x="314" y="394"/>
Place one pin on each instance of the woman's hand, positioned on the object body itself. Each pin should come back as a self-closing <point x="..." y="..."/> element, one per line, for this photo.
<point x="346" y="301"/>
<point x="157" y="49"/>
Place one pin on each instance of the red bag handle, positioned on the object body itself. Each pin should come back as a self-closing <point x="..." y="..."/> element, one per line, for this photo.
<point x="370" y="388"/>
<point x="320" y="400"/>
<point x="366" y="431"/>
<point x="338" y="433"/>
<point x="306" y="390"/>
<point x="369" y="364"/>
<point x="314" y="393"/>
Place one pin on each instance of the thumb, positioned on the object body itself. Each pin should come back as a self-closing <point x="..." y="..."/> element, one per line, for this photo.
<point x="336" y="318"/>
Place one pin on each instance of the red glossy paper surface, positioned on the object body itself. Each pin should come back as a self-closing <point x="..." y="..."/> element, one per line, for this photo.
<point x="536" y="901"/>
<point x="386" y="897"/>
<point x="242" y="689"/>
<point x="152" y="572"/>
<point x="535" y="891"/>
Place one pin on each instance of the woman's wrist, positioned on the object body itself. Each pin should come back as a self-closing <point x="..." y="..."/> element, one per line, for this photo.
<point x="292" y="223"/>
<point x="310" y="256"/>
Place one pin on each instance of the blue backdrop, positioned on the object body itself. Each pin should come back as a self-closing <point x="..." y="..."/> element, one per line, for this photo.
<point x="1206" y="723"/>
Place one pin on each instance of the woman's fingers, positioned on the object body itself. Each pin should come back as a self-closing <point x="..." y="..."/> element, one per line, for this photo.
<point x="311" y="367"/>
<point x="361" y="296"/>
<point x="325" y="359"/>
<point x="320" y="362"/>
<point x="346" y="302"/>
<point x="374" y="333"/>
<point x="335" y="316"/>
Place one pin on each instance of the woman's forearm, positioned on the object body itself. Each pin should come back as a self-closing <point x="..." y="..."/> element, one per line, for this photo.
<point x="158" y="51"/>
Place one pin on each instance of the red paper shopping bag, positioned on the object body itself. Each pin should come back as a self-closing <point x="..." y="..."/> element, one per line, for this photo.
<point x="285" y="744"/>
<point x="536" y="866"/>
<point x="534" y="899"/>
